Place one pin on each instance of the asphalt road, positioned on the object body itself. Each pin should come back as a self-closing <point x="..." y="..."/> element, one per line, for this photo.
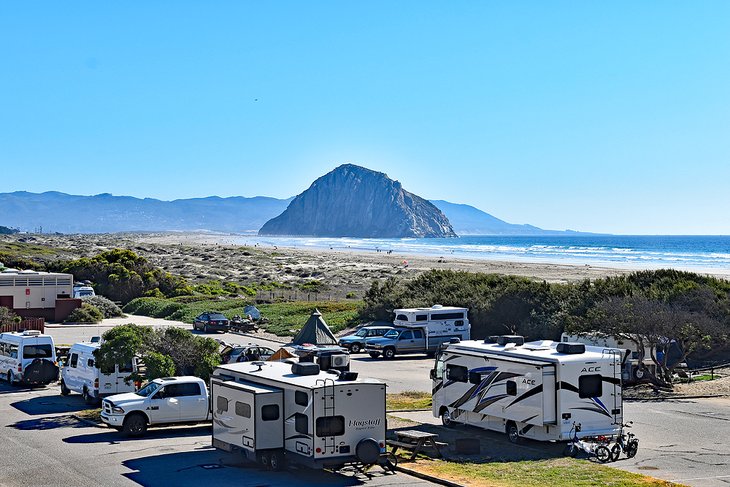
<point x="43" y="445"/>
<point x="406" y="373"/>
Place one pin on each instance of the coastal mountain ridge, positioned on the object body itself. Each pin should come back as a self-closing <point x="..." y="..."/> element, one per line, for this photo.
<point x="353" y="201"/>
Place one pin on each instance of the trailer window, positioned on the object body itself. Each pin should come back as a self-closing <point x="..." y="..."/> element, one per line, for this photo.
<point x="447" y="316"/>
<point x="421" y="317"/>
<point x="301" y="398"/>
<point x="590" y="386"/>
<point x="243" y="409"/>
<point x="401" y="318"/>
<point x="330" y="426"/>
<point x="457" y="373"/>
<point x="270" y="412"/>
<point x="301" y="423"/>
<point x="511" y="387"/>
<point x="221" y="404"/>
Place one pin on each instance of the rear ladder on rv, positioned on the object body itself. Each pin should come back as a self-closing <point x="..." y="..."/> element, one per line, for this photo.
<point x="328" y="398"/>
<point x="617" y="393"/>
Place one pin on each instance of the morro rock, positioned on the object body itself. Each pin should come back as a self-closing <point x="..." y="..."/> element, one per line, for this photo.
<point x="352" y="201"/>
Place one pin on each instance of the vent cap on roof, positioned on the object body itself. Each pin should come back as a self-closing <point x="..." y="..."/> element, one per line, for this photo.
<point x="571" y="348"/>
<point x="516" y="339"/>
<point x="491" y="339"/>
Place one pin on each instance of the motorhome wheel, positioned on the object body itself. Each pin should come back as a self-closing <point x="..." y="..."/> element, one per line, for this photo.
<point x="355" y="348"/>
<point x="264" y="460"/>
<point x="513" y="433"/>
<point x="65" y="391"/>
<point x="446" y="419"/>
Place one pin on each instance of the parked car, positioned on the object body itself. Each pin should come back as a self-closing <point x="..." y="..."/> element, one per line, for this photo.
<point x="355" y="343"/>
<point x="249" y="353"/>
<point x="170" y="400"/>
<point x="211" y="321"/>
<point x="81" y="374"/>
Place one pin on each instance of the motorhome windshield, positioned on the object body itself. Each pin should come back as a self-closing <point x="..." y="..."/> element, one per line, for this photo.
<point x="38" y="351"/>
<point x="392" y="334"/>
<point x="148" y="390"/>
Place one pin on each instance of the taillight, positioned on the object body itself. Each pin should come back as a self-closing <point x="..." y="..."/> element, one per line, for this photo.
<point x="20" y="367"/>
<point x="318" y="450"/>
<point x="96" y="383"/>
<point x="382" y="445"/>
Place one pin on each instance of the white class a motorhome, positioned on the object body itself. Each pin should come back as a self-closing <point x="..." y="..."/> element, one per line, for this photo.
<point x="535" y="390"/>
<point x="28" y="357"/>
<point x="80" y="374"/>
<point x="278" y="411"/>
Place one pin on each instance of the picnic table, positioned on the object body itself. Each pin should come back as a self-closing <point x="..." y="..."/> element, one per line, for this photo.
<point x="416" y="441"/>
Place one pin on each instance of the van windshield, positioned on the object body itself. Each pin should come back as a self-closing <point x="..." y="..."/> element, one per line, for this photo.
<point x="392" y="334"/>
<point x="38" y="351"/>
<point x="148" y="390"/>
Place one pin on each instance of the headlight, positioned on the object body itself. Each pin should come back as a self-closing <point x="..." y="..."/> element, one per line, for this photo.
<point x="117" y="409"/>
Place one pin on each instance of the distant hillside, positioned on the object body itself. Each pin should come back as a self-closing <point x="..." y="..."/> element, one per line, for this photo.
<point x="352" y="201"/>
<point x="60" y="212"/>
<point x="467" y="220"/>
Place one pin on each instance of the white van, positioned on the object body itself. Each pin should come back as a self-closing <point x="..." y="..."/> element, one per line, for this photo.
<point x="28" y="357"/>
<point x="80" y="374"/>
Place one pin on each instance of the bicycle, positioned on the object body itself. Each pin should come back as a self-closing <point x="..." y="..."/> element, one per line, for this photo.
<point x="593" y="446"/>
<point x="626" y="442"/>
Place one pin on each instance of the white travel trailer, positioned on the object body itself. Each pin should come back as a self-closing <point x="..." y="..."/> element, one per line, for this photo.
<point x="277" y="411"/>
<point x="80" y="374"/>
<point x="535" y="390"/>
<point x="28" y="357"/>
<point x="438" y="321"/>
<point x="633" y="369"/>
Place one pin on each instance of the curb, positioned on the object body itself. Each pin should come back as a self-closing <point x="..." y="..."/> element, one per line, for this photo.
<point x="88" y="422"/>
<point x="394" y="411"/>
<point x="674" y="398"/>
<point x="424" y="476"/>
<point x="259" y="337"/>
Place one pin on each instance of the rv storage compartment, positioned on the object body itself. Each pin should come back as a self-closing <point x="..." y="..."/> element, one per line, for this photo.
<point x="305" y="369"/>
<point x="571" y="348"/>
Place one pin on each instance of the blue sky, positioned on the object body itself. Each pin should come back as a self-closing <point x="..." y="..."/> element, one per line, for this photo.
<point x="595" y="116"/>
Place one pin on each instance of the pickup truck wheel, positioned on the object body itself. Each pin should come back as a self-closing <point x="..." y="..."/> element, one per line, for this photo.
<point x="374" y="354"/>
<point x="65" y="391"/>
<point x="276" y="461"/>
<point x="389" y="353"/>
<point x="134" y="425"/>
<point x="355" y="348"/>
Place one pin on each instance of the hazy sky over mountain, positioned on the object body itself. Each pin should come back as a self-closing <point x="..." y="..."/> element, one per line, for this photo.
<point x="610" y="117"/>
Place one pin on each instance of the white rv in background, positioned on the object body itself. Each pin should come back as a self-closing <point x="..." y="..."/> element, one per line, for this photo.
<point x="632" y="369"/>
<point x="438" y="321"/>
<point x="535" y="390"/>
<point x="274" y="412"/>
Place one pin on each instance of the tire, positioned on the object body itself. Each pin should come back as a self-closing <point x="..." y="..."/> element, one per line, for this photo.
<point x="374" y="354"/>
<point x="616" y="452"/>
<point x="570" y="450"/>
<point x="446" y="419"/>
<point x="265" y="460"/>
<point x="88" y="398"/>
<point x="603" y="454"/>
<point x="205" y="329"/>
<point x="355" y="348"/>
<point x="134" y="425"/>
<point x="389" y="353"/>
<point x="11" y="378"/>
<point x="276" y="461"/>
<point x="513" y="433"/>
<point x="65" y="391"/>
<point x="632" y="448"/>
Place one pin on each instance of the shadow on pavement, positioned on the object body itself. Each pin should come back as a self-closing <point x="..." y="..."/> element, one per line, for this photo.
<point x="214" y="467"/>
<point x="48" y="423"/>
<point x="111" y="436"/>
<point x="42" y="405"/>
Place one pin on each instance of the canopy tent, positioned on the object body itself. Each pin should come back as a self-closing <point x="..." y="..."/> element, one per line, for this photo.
<point x="315" y="331"/>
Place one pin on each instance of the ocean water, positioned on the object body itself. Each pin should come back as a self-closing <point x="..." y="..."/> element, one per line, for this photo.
<point x="697" y="253"/>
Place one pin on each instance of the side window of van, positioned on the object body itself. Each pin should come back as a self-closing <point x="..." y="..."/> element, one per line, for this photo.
<point x="90" y="363"/>
<point x="74" y="360"/>
<point x="13" y="351"/>
<point x="126" y="368"/>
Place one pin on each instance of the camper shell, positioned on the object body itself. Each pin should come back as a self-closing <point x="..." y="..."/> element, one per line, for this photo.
<point x="438" y="322"/>
<point x="28" y="357"/>
<point x="536" y="389"/>
<point x="277" y="411"/>
<point x="81" y="374"/>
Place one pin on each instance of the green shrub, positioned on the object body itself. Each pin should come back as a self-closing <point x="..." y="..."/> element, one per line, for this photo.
<point x="158" y="365"/>
<point x="87" y="313"/>
<point x="106" y="306"/>
<point x="7" y="318"/>
<point x="351" y="295"/>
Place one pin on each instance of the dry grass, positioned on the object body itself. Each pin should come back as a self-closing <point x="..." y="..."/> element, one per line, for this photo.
<point x="408" y="400"/>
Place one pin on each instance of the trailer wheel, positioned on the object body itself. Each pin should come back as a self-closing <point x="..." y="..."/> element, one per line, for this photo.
<point x="276" y="461"/>
<point x="446" y="419"/>
<point x="264" y="460"/>
<point x="513" y="433"/>
<point x="355" y="348"/>
<point x="389" y="353"/>
<point x="65" y="391"/>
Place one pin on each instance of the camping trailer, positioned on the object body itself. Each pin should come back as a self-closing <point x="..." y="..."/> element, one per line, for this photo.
<point x="536" y="390"/>
<point x="279" y="411"/>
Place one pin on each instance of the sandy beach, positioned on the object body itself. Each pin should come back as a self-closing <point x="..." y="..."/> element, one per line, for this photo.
<point x="203" y="256"/>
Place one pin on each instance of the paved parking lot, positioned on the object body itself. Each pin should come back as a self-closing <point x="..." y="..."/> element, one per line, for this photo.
<point x="43" y="445"/>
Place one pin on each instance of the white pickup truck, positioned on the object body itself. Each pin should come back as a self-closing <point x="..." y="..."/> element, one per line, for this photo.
<point x="170" y="400"/>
